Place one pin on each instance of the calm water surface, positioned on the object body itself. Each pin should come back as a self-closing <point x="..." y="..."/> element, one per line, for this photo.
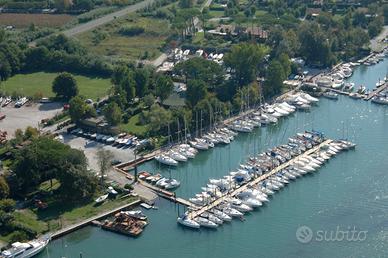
<point x="349" y="191"/>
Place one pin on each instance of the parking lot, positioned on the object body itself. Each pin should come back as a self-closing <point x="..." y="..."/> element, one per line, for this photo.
<point x="90" y="148"/>
<point x="26" y="116"/>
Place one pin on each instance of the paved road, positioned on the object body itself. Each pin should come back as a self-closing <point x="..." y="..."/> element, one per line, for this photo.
<point x="105" y="19"/>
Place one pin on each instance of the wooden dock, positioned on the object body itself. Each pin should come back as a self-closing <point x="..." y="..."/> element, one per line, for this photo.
<point x="377" y="91"/>
<point x="253" y="182"/>
<point x="89" y="221"/>
<point x="168" y="195"/>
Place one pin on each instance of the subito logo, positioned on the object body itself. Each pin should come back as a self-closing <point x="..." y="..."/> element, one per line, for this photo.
<point x="304" y="234"/>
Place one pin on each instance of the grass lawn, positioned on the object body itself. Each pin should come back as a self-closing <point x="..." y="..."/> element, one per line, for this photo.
<point x="116" y="45"/>
<point x="61" y="214"/>
<point x="32" y="83"/>
<point x="133" y="126"/>
<point x="216" y="13"/>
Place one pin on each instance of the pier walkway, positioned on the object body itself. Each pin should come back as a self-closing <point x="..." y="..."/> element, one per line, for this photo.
<point x="195" y="213"/>
<point x="377" y="91"/>
<point x="88" y="221"/>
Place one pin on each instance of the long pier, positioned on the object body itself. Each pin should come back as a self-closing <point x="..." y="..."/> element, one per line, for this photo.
<point x="168" y="195"/>
<point x="88" y="221"/>
<point x="377" y="91"/>
<point x="193" y="214"/>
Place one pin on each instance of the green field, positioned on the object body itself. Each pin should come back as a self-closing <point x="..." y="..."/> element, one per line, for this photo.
<point x="133" y="126"/>
<point x="114" y="44"/>
<point x="33" y="83"/>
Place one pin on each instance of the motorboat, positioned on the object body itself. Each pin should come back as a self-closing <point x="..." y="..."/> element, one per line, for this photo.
<point x="171" y="184"/>
<point x="102" y="198"/>
<point x="185" y="221"/>
<point x="330" y="95"/>
<point x="380" y="100"/>
<point x="26" y="250"/>
<point x="137" y="214"/>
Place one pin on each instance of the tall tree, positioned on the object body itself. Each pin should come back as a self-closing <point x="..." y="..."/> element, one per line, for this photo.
<point x="104" y="158"/>
<point x="4" y="188"/>
<point x="201" y="69"/>
<point x="274" y="79"/>
<point x="112" y="113"/>
<point x="65" y="86"/>
<point x="196" y="91"/>
<point x="244" y="59"/>
<point x="77" y="109"/>
<point x="163" y="87"/>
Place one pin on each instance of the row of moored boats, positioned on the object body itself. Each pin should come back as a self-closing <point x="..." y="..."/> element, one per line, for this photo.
<point x="266" y="114"/>
<point x="241" y="194"/>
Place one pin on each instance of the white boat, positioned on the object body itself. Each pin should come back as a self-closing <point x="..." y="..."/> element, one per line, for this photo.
<point x="188" y="222"/>
<point x="199" y="145"/>
<point x="171" y="184"/>
<point x="166" y="160"/>
<point x="212" y="218"/>
<point x="177" y="156"/>
<point x="102" y="198"/>
<point x="232" y="212"/>
<point x="25" y="250"/>
<point x="138" y="214"/>
<point x="205" y="222"/>
<point x="221" y="215"/>
<point x="330" y="95"/>
<point x="380" y="100"/>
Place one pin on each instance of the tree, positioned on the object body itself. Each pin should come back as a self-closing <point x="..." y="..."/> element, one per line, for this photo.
<point x="77" y="183"/>
<point x="201" y="69"/>
<point x="112" y="113"/>
<point x="163" y="87"/>
<point x="284" y="60"/>
<point x="156" y="118"/>
<point x="141" y="76"/>
<point x="44" y="159"/>
<point x="31" y="133"/>
<point x="149" y="100"/>
<point x="274" y="79"/>
<point x="4" y="188"/>
<point x="315" y="47"/>
<point x="104" y="158"/>
<point x="65" y="86"/>
<point x="244" y="59"/>
<point x="196" y="91"/>
<point x="77" y="108"/>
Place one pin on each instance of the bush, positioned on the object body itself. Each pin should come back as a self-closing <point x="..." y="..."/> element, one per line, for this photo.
<point x="18" y="236"/>
<point x="128" y="187"/>
<point x="7" y="205"/>
<point x="131" y="30"/>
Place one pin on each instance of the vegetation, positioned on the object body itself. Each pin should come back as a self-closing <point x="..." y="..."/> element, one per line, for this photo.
<point x="41" y="82"/>
<point x="65" y="86"/>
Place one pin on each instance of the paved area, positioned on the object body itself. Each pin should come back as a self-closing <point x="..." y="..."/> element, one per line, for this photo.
<point x="377" y="43"/>
<point x="26" y="116"/>
<point x="91" y="147"/>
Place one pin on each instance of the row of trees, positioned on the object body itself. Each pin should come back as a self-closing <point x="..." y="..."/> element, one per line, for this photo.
<point x="54" y="54"/>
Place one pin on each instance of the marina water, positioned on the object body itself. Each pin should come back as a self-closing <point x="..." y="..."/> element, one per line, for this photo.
<point x="348" y="193"/>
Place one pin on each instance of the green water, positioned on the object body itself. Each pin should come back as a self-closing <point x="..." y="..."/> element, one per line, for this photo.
<point x="349" y="191"/>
